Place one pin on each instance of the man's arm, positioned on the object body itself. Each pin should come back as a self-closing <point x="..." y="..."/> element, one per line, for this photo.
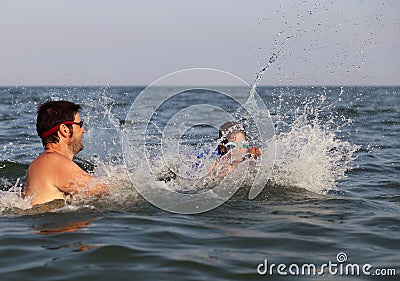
<point x="71" y="179"/>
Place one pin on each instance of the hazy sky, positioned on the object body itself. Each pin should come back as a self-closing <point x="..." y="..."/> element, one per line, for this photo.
<point x="94" y="42"/>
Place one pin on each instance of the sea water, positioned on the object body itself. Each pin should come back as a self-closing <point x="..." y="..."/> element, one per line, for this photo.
<point x="334" y="188"/>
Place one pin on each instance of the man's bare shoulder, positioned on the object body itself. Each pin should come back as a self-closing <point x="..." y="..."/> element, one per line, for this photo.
<point x="58" y="171"/>
<point x="53" y="162"/>
<point x="51" y="157"/>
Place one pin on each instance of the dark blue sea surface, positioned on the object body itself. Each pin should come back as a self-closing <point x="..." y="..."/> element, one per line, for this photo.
<point x="333" y="197"/>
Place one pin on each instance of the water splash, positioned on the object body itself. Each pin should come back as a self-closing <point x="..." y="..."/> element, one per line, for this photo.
<point x="310" y="152"/>
<point x="311" y="157"/>
<point x="11" y="197"/>
<point x="275" y="54"/>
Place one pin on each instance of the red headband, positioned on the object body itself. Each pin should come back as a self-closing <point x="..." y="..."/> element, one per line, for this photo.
<point x="54" y="129"/>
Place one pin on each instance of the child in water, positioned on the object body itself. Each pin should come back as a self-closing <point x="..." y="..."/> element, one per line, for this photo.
<point x="233" y="148"/>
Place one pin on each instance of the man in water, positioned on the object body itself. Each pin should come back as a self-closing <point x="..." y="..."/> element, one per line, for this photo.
<point x="53" y="174"/>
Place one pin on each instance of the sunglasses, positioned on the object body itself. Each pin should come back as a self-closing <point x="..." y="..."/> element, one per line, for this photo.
<point x="232" y="145"/>
<point x="76" y="123"/>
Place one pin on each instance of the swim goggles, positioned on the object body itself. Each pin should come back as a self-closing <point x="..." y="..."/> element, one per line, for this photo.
<point x="232" y="145"/>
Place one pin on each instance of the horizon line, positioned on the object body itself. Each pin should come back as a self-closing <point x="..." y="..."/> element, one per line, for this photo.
<point x="144" y="86"/>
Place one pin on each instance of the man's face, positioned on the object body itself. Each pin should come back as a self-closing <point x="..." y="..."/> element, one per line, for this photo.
<point x="75" y="143"/>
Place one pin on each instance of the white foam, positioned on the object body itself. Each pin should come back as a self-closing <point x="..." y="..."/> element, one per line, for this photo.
<point x="310" y="156"/>
<point x="12" y="199"/>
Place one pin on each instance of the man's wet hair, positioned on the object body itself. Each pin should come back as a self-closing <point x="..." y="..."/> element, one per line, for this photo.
<point x="52" y="113"/>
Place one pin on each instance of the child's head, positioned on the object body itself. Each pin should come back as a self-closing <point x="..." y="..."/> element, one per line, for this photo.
<point x="232" y="135"/>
